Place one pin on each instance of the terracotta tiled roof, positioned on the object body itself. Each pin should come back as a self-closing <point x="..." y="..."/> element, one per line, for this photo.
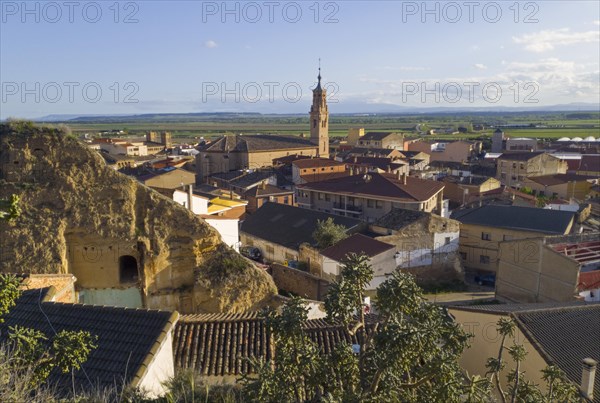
<point x="384" y="152"/>
<point x="522" y="156"/>
<point x="557" y="179"/>
<point x="380" y="185"/>
<point x="376" y="136"/>
<point x="219" y="345"/>
<point x="269" y="190"/>
<point x="590" y="162"/>
<point x="289" y="159"/>
<point x="127" y="338"/>
<point x="317" y="163"/>
<point x="257" y="142"/>
<point x="356" y="243"/>
<point x="323" y="176"/>
<point x="589" y="280"/>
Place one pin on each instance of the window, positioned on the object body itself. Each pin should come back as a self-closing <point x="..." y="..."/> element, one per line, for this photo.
<point x="378" y="204"/>
<point x="286" y="200"/>
<point x="463" y="255"/>
<point x="320" y="196"/>
<point x="486" y="237"/>
<point x="483" y="259"/>
<point x="446" y="240"/>
<point x="128" y="270"/>
<point x="370" y="203"/>
<point x="327" y="197"/>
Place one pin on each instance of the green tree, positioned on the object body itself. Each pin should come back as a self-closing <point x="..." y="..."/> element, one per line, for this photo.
<point x="328" y="233"/>
<point x="294" y="369"/>
<point x="32" y="354"/>
<point x="409" y="354"/>
<point x="9" y="209"/>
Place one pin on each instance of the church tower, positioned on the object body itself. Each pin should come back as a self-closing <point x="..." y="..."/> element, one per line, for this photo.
<point x="319" y="120"/>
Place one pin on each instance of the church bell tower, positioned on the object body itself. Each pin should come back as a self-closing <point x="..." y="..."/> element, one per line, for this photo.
<point x="319" y="120"/>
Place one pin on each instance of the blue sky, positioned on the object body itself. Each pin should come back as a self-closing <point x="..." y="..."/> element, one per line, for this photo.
<point x="106" y="57"/>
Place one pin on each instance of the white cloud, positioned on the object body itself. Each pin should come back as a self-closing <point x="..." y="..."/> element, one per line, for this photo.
<point x="543" y="41"/>
<point x="210" y="44"/>
<point x="480" y="66"/>
<point x="596" y="22"/>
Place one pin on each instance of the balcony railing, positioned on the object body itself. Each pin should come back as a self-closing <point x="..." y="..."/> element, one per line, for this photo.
<point x="347" y="207"/>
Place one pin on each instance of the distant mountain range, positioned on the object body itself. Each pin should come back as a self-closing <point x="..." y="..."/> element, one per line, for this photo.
<point x="348" y="109"/>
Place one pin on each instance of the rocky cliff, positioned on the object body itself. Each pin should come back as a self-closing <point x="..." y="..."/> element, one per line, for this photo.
<point x="72" y="203"/>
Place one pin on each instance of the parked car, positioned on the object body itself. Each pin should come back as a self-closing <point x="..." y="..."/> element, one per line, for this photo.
<point x="251" y="252"/>
<point x="486" y="279"/>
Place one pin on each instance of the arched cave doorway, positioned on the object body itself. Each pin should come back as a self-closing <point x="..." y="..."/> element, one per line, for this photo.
<point x="128" y="269"/>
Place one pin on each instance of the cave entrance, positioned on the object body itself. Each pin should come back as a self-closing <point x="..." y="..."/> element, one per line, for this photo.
<point x="128" y="269"/>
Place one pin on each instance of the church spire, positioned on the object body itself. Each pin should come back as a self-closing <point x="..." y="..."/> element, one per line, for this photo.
<point x="319" y="116"/>
<point x="319" y="76"/>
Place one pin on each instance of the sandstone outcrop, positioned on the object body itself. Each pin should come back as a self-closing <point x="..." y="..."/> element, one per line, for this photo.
<point x="79" y="216"/>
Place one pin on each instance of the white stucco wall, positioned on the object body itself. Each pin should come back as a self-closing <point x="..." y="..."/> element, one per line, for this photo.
<point x="440" y="245"/>
<point x="160" y="369"/>
<point x="228" y="229"/>
<point x="591" y="295"/>
<point x="199" y="204"/>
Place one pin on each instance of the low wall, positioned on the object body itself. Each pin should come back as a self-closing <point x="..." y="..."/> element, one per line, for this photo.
<point x="444" y="267"/>
<point x="299" y="282"/>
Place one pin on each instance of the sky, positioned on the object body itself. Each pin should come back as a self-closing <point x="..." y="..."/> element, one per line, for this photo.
<point x="134" y="57"/>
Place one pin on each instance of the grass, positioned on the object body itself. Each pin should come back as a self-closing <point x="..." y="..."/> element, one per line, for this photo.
<point x="557" y="124"/>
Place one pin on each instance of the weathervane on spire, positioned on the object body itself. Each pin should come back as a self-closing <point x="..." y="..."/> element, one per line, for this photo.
<point x="319" y="77"/>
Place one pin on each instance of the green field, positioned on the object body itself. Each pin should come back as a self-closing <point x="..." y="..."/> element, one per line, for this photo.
<point x="540" y="125"/>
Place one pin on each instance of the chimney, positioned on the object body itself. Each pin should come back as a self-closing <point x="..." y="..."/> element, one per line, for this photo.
<point x="399" y="175"/>
<point x="404" y="179"/>
<point x="351" y="170"/>
<point x="190" y="197"/>
<point x="588" y="378"/>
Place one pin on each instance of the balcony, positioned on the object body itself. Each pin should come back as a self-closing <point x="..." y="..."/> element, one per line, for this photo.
<point x="347" y="208"/>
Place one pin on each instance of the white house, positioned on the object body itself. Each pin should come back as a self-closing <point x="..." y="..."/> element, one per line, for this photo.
<point x="381" y="257"/>
<point x="228" y="228"/>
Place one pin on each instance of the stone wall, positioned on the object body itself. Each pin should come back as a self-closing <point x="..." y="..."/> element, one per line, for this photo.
<point x="299" y="282"/>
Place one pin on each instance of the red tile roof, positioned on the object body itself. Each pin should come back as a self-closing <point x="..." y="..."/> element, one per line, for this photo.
<point x="520" y="156"/>
<point x="589" y="280"/>
<point x="581" y="252"/>
<point x="558" y="179"/>
<point x="356" y="243"/>
<point x="385" y="185"/>
<point x="221" y="344"/>
<point x="316" y="163"/>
